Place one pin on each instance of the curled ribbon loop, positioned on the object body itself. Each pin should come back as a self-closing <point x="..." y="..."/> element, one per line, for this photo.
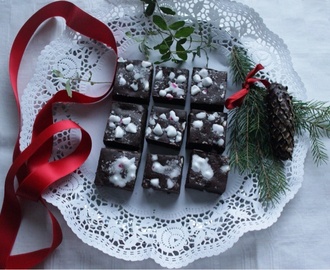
<point x="32" y="167"/>
<point x="237" y="99"/>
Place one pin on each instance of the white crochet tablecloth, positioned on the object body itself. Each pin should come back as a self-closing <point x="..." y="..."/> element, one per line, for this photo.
<point x="186" y="231"/>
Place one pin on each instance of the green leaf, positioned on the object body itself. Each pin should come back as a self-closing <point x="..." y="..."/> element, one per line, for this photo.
<point x="163" y="49"/>
<point x="160" y="22"/>
<point x="57" y="73"/>
<point x="150" y="9"/>
<point x="181" y="52"/>
<point x="182" y="41"/>
<point x="166" y="57"/>
<point x="167" y="10"/>
<point x="176" y="25"/>
<point x="168" y="41"/>
<point x="184" y="32"/>
<point x="68" y="88"/>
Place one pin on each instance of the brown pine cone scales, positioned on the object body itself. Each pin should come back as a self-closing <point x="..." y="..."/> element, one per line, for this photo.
<point x="281" y="120"/>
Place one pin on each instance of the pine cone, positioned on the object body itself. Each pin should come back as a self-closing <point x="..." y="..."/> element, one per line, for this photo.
<point x="280" y="113"/>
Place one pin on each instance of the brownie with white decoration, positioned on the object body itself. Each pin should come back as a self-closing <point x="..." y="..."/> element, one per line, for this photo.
<point x="170" y="85"/>
<point x="133" y="81"/>
<point x="208" y="89"/>
<point x="207" y="130"/>
<point x="117" y="168"/>
<point x="163" y="172"/>
<point x="207" y="172"/>
<point x="125" y="127"/>
<point x="166" y="126"/>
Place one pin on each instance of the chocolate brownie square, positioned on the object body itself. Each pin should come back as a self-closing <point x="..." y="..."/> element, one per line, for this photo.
<point x="163" y="172"/>
<point x="126" y="126"/>
<point x="208" y="89"/>
<point x="170" y="85"/>
<point x="207" y="171"/>
<point x="117" y="168"/>
<point x="133" y="81"/>
<point x="166" y="127"/>
<point x="207" y="130"/>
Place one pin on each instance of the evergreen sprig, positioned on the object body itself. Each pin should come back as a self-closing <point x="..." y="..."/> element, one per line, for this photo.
<point x="313" y="117"/>
<point x="249" y="145"/>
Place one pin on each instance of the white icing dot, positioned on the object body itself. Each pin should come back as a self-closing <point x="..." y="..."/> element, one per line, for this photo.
<point x="163" y="116"/>
<point x="206" y="82"/>
<point x="181" y="79"/>
<point x="137" y="76"/>
<point x="170" y="184"/>
<point x="213" y="116"/>
<point x="221" y="142"/>
<point x="195" y="90"/>
<point x="169" y="96"/>
<point x="216" y="128"/>
<point x="119" y="132"/>
<point x="172" y="75"/>
<point x="158" y="130"/>
<point x="122" y="81"/>
<point x="172" y="169"/>
<point x="114" y="118"/>
<point x="121" y="60"/>
<point x="162" y="93"/>
<point x="112" y="125"/>
<point x="155" y="182"/>
<point x="159" y="75"/>
<point x="173" y="116"/>
<point x="148" y="130"/>
<point x="145" y="64"/>
<point x="170" y="131"/>
<point x="178" y="137"/>
<point x="183" y="125"/>
<point x="152" y="121"/>
<point x="225" y="168"/>
<point x="197" y="124"/>
<point x="146" y="85"/>
<point x="131" y="128"/>
<point x="129" y="67"/>
<point x="224" y="123"/>
<point x="201" y="115"/>
<point x="126" y="120"/>
<point x="121" y="165"/>
<point x="201" y="165"/>
<point x="134" y="86"/>
<point x="154" y="157"/>
<point x="197" y="78"/>
<point x="203" y="73"/>
<point x="222" y="86"/>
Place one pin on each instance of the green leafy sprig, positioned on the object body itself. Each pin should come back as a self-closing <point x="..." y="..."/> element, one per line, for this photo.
<point x="249" y="144"/>
<point x="177" y="36"/>
<point x="77" y="78"/>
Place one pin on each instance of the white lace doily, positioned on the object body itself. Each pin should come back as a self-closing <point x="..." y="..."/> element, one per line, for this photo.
<point x="173" y="231"/>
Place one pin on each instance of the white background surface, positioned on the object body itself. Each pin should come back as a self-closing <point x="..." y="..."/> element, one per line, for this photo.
<point x="301" y="236"/>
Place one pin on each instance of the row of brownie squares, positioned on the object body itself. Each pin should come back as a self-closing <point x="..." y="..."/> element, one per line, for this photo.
<point x="137" y="80"/>
<point x="165" y="127"/>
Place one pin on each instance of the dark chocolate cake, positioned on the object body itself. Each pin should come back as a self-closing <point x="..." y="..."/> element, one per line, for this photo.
<point x="207" y="171"/>
<point x="163" y="172"/>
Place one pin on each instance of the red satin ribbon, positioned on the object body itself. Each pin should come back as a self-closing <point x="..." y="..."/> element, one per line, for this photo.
<point x="236" y="99"/>
<point x="31" y="167"/>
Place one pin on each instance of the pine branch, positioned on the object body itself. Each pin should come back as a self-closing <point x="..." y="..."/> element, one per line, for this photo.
<point x="249" y="145"/>
<point x="240" y="64"/>
<point x="313" y="117"/>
